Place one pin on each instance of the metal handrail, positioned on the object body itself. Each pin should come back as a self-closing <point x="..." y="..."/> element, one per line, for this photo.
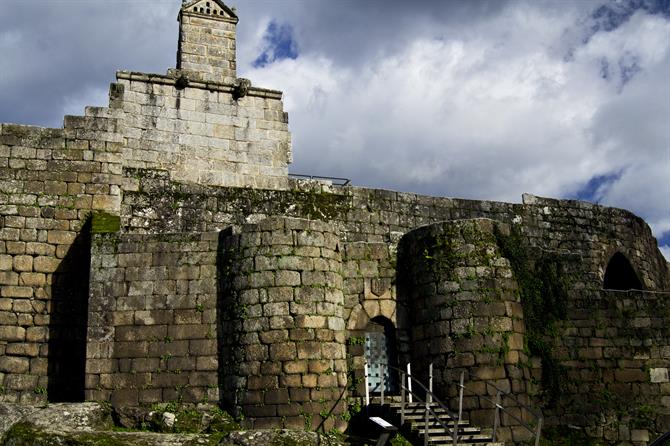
<point x="631" y="291"/>
<point x="497" y="404"/>
<point x="512" y="397"/>
<point x="430" y="398"/>
<point x="342" y="181"/>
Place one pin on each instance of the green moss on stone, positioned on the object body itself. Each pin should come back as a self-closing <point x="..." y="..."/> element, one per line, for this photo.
<point x="25" y="434"/>
<point x="104" y="223"/>
<point x="567" y="436"/>
<point x="543" y="287"/>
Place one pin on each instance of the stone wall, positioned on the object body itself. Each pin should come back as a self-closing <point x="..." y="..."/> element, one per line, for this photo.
<point x="152" y="319"/>
<point x="283" y="357"/>
<point x="156" y="202"/>
<point x="369" y="272"/>
<point x="201" y="132"/>
<point x="579" y="236"/>
<point x="613" y="351"/>
<point x="52" y="181"/>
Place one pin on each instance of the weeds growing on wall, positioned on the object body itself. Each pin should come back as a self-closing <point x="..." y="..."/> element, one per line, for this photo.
<point x="543" y="289"/>
<point x="566" y="436"/>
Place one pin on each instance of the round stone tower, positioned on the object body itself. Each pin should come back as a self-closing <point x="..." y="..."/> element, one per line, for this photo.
<point x="465" y="313"/>
<point x="283" y="334"/>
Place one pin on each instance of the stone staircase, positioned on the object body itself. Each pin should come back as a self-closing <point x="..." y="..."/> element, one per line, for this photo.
<point x="414" y="426"/>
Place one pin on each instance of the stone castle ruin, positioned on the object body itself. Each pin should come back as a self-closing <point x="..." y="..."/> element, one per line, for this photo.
<point x="157" y="250"/>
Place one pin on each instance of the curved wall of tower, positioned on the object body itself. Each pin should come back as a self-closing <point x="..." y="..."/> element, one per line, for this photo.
<point x="283" y="333"/>
<point x="465" y="317"/>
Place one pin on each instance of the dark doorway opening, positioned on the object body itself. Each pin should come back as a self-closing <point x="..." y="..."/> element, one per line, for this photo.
<point x="69" y="321"/>
<point x="620" y="275"/>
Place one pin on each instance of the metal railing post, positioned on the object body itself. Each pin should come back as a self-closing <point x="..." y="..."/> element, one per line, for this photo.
<point x="538" y="432"/>
<point x="496" y="417"/>
<point x="461" y="387"/>
<point x="409" y="382"/>
<point x="402" y="399"/>
<point x="429" y="400"/>
<point x="460" y="396"/>
<point x="381" y="372"/>
<point x="367" y="385"/>
<point x="426" y="434"/>
<point x="430" y="377"/>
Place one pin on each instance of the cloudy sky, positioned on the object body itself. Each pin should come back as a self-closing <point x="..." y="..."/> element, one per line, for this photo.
<point x="461" y="98"/>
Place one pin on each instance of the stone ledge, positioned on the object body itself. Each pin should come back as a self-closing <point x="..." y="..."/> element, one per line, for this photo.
<point x="171" y="79"/>
<point x="91" y="423"/>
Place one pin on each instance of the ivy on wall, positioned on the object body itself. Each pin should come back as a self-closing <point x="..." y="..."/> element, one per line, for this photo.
<point x="543" y="287"/>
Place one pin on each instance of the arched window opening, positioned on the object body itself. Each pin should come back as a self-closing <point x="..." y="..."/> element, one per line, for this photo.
<point x="380" y="353"/>
<point x="620" y="275"/>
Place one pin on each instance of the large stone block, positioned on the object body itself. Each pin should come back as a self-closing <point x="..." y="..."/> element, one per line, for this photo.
<point x="14" y="364"/>
<point x="11" y="333"/>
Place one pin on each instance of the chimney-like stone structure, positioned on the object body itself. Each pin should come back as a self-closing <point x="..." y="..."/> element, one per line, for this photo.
<point x="207" y="41"/>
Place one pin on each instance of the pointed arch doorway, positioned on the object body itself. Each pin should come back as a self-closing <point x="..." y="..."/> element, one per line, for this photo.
<point x="620" y="275"/>
<point x="380" y="353"/>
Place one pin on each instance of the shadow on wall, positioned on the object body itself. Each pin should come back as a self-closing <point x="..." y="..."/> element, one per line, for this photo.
<point x="224" y="305"/>
<point x="68" y="322"/>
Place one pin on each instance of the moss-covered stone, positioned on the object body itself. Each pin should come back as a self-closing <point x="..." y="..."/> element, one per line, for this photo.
<point x="26" y="434"/>
<point x="104" y="223"/>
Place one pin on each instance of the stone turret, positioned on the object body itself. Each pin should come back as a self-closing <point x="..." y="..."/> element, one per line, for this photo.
<point x="207" y="41"/>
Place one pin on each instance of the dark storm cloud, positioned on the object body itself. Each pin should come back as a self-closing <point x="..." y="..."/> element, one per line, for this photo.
<point x="56" y="51"/>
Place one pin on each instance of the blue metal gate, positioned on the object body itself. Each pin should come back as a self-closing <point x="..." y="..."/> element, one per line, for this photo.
<point x="377" y="353"/>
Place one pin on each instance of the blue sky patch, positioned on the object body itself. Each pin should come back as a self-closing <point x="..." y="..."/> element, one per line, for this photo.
<point x="664" y="239"/>
<point x="279" y="44"/>
<point x="611" y="15"/>
<point x="604" y="68"/>
<point x="595" y="188"/>
<point x="621" y="71"/>
<point x="628" y="67"/>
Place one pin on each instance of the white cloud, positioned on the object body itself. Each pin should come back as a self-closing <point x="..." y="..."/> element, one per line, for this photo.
<point x="481" y="99"/>
<point x="493" y="112"/>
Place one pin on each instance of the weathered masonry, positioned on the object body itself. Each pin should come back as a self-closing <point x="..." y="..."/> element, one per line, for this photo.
<point x="157" y="250"/>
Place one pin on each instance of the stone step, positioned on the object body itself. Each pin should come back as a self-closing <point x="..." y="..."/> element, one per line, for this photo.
<point x="434" y="424"/>
<point x="462" y="439"/>
<point x="419" y="415"/>
<point x="414" y="416"/>
<point x="438" y="429"/>
<point x="418" y="408"/>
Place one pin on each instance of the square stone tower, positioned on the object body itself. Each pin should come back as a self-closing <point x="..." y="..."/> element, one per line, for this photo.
<point x="207" y="41"/>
